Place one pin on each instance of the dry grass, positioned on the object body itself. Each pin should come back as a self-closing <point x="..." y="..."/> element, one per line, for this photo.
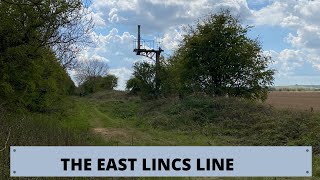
<point x="303" y="100"/>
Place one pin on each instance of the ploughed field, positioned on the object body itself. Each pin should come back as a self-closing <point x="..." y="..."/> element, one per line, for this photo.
<point x="303" y="100"/>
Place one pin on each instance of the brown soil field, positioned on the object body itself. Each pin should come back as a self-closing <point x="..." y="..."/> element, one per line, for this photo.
<point x="303" y="100"/>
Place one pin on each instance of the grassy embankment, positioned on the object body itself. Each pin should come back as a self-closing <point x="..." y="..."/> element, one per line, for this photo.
<point x="113" y="118"/>
<point x="64" y="125"/>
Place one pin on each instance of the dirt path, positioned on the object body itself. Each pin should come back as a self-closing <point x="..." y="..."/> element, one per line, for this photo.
<point x="114" y="130"/>
<point x="108" y="133"/>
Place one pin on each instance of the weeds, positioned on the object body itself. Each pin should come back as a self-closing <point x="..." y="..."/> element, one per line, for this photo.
<point x="191" y="121"/>
<point x="22" y="128"/>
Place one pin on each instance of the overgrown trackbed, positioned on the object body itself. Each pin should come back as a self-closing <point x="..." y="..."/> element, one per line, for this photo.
<point x="121" y="120"/>
<point x="114" y="118"/>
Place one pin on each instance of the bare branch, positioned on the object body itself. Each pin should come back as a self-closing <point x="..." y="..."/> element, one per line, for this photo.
<point x="64" y="26"/>
<point x="90" y="69"/>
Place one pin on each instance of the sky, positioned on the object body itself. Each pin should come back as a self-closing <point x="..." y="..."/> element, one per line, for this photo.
<point x="289" y="31"/>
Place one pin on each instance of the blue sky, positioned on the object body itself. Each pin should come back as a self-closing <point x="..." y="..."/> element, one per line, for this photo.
<point x="289" y="31"/>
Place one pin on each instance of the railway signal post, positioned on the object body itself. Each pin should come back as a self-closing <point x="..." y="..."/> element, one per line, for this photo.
<point x="150" y="53"/>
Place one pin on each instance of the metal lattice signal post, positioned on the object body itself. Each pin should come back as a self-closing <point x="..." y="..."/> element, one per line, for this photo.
<point x="150" y="53"/>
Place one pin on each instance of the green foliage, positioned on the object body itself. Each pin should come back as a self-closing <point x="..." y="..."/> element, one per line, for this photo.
<point x="109" y="82"/>
<point x="203" y="120"/>
<point x="133" y="85"/>
<point x="233" y="121"/>
<point x="143" y="81"/>
<point x="66" y="126"/>
<point x="92" y="75"/>
<point x="217" y="58"/>
<point x="98" y="83"/>
<point x="32" y="78"/>
<point x="61" y="25"/>
<point x="32" y="36"/>
<point x="192" y="121"/>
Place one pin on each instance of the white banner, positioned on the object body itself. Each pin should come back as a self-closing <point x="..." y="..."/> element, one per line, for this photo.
<point x="182" y="161"/>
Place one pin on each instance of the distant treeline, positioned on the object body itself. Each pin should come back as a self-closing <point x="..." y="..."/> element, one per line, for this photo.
<point x="294" y="89"/>
<point x="92" y="76"/>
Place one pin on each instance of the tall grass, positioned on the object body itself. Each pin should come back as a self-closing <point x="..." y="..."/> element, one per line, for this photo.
<point x="224" y="121"/>
<point x="235" y="121"/>
<point x="218" y="121"/>
<point x="23" y="128"/>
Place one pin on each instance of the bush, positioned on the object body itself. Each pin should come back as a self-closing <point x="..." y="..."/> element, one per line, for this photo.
<point x="143" y="82"/>
<point x="234" y="121"/>
<point x="99" y="83"/>
<point x="32" y="78"/>
<point x="24" y="128"/>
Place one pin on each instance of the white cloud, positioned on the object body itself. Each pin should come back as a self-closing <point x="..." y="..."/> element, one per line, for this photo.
<point x="309" y="10"/>
<point x="302" y="18"/>
<point x="290" y="21"/>
<point x="307" y="37"/>
<point x="271" y="15"/>
<point x="99" y="58"/>
<point x="116" y="49"/>
<point x="162" y="14"/>
<point x="286" y="61"/>
<point x="116" y="22"/>
<point x="123" y="75"/>
<point x="97" y="19"/>
<point x="172" y="38"/>
<point x="113" y="16"/>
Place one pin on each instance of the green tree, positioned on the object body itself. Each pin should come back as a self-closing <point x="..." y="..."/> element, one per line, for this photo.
<point x="63" y="26"/>
<point x="89" y="69"/>
<point x="109" y="82"/>
<point x="95" y="84"/>
<point x="38" y="41"/>
<point x="143" y="80"/>
<point x="217" y="58"/>
<point x="92" y="76"/>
